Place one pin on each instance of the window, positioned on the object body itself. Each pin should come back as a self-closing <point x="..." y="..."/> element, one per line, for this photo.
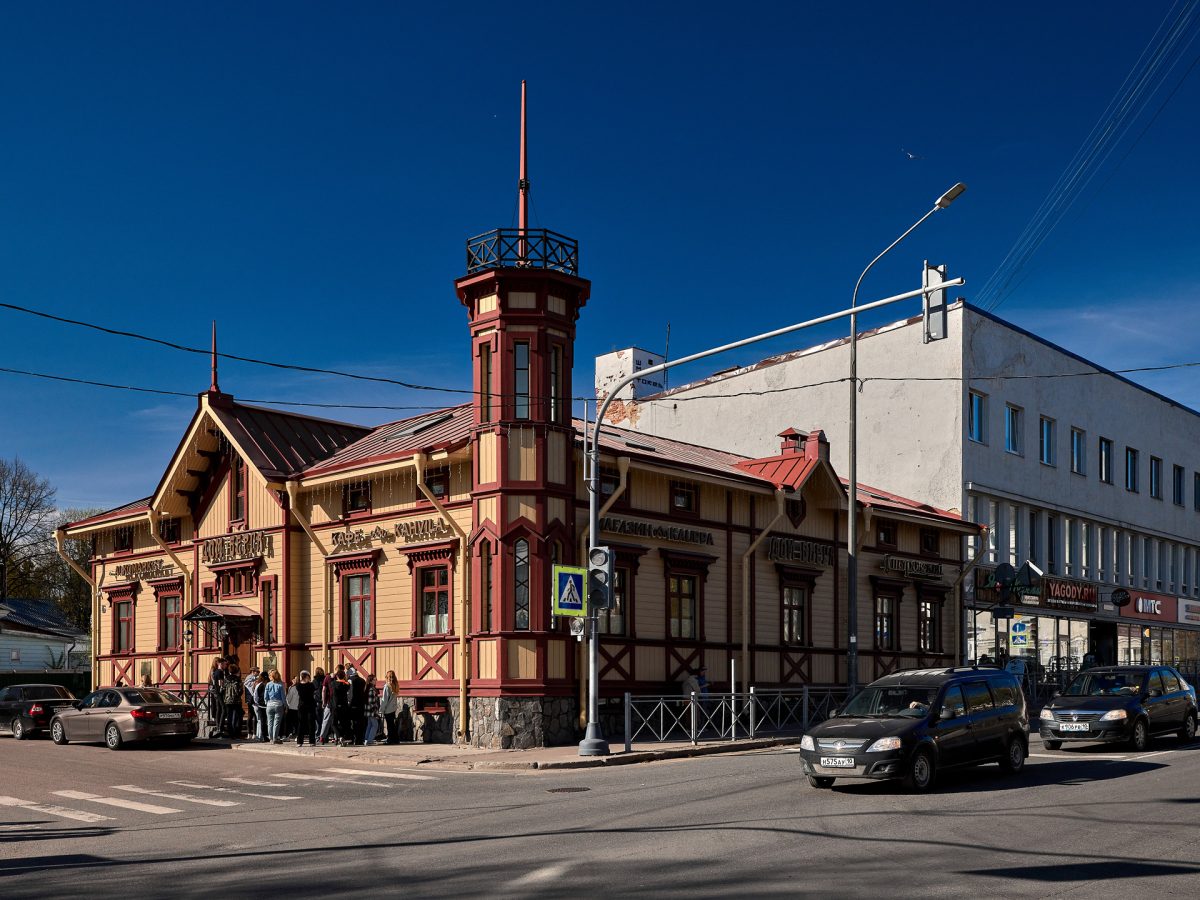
<point x="610" y="480"/>
<point x="14" y="655"/>
<point x="270" y="614"/>
<point x="681" y="603"/>
<point x="993" y="528"/>
<point x="1156" y="478"/>
<point x="169" y="531"/>
<point x="123" y="539"/>
<point x="356" y="498"/>
<point x="976" y="410"/>
<point x="684" y="498"/>
<point x="356" y="591"/>
<point x="1052" y="544"/>
<point x="1046" y="441"/>
<point x="170" y="634"/>
<point x="886" y="636"/>
<point x="1012" y="430"/>
<point x="885" y="534"/>
<point x="954" y="701"/>
<point x="931" y="542"/>
<point x="1005" y="691"/>
<point x="438" y="482"/>
<point x="237" y="491"/>
<point x="556" y="391"/>
<point x="1031" y="538"/>
<point x="239" y="582"/>
<point x="1196" y="491"/>
<point x="521" y="584"/>
<point x="485" y="382"/>
<point x="1078" y="452"/>
<point x="1106" y="453"/>
<point x="979" y="698"/>
<point x="521" y="380"/>
<point x="1177" y="485"/>
<point x="123" y="626"/>
<point x="929" y="626"/>
<point x="795" y="620"/>
<point x="612" y="620"/>
<point x="435" y="600"/>
<point x="485" y="587"/>
<point x="1131" y="470"/>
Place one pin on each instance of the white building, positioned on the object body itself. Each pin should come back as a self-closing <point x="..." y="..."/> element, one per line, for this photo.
<point x="1090" y="476"/>
<point x="36" y="637"/>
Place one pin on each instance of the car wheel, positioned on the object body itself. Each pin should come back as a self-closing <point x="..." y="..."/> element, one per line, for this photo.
<point x="1187" y="733"/>
<point x="1014" y="757"/>
<point x="18" y="729"/>
<point x="1140" y="739"/>
<point x="58" y="734"/>
<point x="920" y="772"/>
<point x="1052" y="745"/>
<point x="820" y="782"/>
<point x="112" y="737"/>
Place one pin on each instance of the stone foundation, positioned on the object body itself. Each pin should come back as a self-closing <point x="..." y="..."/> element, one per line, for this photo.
<point x="520" y="723"/>
<point x="428" y="728"/>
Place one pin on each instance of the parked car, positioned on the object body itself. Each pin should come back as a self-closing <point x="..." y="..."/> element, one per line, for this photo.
<point x="912" y="725"/>
<point x="1127" y="704"/>
<point x="26" y="709"/>
<point x="119" y="715"/>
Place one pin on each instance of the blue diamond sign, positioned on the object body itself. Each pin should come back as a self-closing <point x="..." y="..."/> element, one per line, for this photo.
<point x="570" y="598"/>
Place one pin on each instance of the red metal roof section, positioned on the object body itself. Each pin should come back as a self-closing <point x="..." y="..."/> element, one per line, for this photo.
<point x="881" y="499"/>
<point x="280" y="444"/>
<point x="441" y="429"/>
<point x="652" y="448"/>
<point x="119" y="512"/>
<point x="789" y="471"/>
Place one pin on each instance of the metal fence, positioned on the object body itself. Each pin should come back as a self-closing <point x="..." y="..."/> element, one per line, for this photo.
<point x="734" y="716"/>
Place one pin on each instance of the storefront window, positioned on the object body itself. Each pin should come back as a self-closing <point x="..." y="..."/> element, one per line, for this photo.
<point x="794" y="600"/>
<point x="169" y="607"/>
<point x="123" y="630"/>
<point x="357" y="591"/>
<point x="681" y="600"/>
<point x="886" y="635"/>
<point x="612" y="620"/>
<point x="1078" y="644"/>
<point x="435" y="600"/>
<point x="1129" y="645"/>
<point x="929" y="627"/>
<point x="1047" y="638"/>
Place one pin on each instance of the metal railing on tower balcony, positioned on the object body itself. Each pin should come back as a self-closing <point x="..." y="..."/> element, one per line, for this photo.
<point x="534" y="248"/>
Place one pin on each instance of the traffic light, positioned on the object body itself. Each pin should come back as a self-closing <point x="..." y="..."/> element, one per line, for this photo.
<point x="935" y="302"/>
<point x="599" y="578"/>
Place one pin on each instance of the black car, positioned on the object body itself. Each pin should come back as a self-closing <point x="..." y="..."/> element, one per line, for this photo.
<point x="26" y="709"/>
<point x="1127" y="704"/>
<point x="911" y="725"/>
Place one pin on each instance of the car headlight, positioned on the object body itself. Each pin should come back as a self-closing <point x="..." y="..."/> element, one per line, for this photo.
<point x="887" y="743"/>
<point x="806" y="743"/>
<point x="1048" y="714"/>
<point x="1114" y="715"/>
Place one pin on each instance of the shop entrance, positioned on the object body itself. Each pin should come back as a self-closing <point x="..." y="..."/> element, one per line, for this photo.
<point x="1103" y="640"/>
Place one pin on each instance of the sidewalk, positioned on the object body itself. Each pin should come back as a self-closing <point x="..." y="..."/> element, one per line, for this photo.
<point x="453" y="756"/>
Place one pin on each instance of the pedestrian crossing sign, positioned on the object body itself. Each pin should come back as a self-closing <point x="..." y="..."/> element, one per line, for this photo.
<point x="570" y="597"/>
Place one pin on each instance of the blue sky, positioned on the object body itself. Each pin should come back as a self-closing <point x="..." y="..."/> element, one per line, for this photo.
<point x="307" y="173"/>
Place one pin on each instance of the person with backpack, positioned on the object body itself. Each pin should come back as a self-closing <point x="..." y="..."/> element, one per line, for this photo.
<point x="231" y="697"/>
<point x="251" y="715"/>
<point x="260" y="706"/>
<point x="305" y="709"/>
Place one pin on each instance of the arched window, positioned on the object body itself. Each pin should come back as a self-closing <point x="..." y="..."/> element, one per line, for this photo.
<point x="521" y="584"/>
<point x="485" y="586"/>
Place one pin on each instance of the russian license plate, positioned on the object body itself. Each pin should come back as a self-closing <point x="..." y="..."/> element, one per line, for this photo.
<point x="170" y="715"/>
<point x="837" y="762"/>
<point x="1073" y="726"/>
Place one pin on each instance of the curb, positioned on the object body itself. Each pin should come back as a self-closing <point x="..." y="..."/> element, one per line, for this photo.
<point x="635" y="757"/>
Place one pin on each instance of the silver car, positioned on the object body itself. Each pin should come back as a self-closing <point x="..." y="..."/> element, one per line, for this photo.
<point x="118" y="715"/>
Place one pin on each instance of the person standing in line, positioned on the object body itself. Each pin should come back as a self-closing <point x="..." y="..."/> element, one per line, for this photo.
<point x="216" y="688"/>
<point x="260" y="706"/>
<point x="251" y="715"/>
<point x="358" y="705"/>
<point x="327" y="713"/>
<point x="231" y="696"/>
<point x="293" y="709"/>
<point x="343" y="723"/>
<point x="318" y="683"/>
<point x="305" y="709"/>
<point x="276" y="698"/>
<point x="146" y="682"/>
<point x="372" y="711"/>
<point x="390" y="705"/>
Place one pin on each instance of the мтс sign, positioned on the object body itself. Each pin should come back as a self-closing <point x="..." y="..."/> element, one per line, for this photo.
<point x="569" y="596"/>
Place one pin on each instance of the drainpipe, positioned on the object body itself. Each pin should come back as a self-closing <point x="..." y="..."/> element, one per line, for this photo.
<point x="747" y="560"/>
<point x="327" y="587"/>
<point x="464" y="572"/>
<point x="59" y="536"/>
<point x="581" y="667"/>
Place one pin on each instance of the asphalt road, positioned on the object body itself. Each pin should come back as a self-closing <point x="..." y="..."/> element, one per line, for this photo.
<point x="208" y="821"/>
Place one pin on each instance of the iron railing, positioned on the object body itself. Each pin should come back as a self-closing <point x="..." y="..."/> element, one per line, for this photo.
<point x="533" y="248"/>
<point x="671" y="717"/>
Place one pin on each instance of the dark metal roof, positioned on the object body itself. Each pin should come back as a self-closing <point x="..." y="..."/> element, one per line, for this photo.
<point x="437" y="430"/>
<point x="280" y="444"/>
<point x="137" y="506"/>
<point x="38" y="615"/>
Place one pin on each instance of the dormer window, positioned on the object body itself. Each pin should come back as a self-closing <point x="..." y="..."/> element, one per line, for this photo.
<point x="684" y="498"/>
<point x="356" y="498"/>
<point x="123" y="539"/>
<point x="438" y="482"/>
<point x="885" y="533"/>
<point x="169" y="531"/>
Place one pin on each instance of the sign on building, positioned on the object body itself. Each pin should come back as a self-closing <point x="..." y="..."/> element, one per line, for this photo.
<point x="570" y="596"/>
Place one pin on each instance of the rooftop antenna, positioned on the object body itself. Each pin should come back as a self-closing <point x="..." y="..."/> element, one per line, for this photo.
<point x="214" y="388"/>
<point x="523" y="185"/>
<point x="667" y="358"/>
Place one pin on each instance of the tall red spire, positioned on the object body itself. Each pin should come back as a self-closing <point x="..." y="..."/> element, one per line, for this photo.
<point x="523" y="183"/>
<point x="214" y="388"/>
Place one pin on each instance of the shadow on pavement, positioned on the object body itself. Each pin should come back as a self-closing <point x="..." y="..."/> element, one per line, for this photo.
<point x="1088" y="871"/>
<point x="990" y="779"/>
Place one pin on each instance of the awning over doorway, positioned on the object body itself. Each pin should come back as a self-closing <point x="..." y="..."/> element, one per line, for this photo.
<point x="228" y="613"/>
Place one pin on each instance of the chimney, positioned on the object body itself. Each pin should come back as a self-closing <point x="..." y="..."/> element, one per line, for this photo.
<point x="793" y="442"/>
<point x="817" y="446"/>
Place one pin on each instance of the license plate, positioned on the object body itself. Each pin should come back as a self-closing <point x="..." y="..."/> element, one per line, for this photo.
<point x="170" y="715"/>
<point x="1073" y="726"/>
<point x="837" y="762"/>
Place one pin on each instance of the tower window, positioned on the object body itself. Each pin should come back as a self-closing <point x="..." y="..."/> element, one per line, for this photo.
<point x="521" y="380"/>
<point x="485" y="383"/>
<point x="556" y="393"/>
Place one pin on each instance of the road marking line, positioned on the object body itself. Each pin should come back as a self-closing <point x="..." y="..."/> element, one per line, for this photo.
<point x="20" y="827"/>
<point x="538" y="876"/>
<point x="118" y="801"/>
<point x="1079" y="758"/>
<point x="1156" y="753"/>
<point x="225" y="790"/>
<point x="186" y="798"/>
<point x="253" y="783"/>
<point x="63" y="812"/>
<point x="382" y="774"/>
<point x="298" y="776"/>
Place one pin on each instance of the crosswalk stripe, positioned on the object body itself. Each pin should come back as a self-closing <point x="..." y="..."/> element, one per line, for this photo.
<point x="225" y="790"/>
<point x="299" y="777"/>
<point x="118" y="801"/>
<point x="404" y="775"/>
<point x="253" y="783"/>
<point x="186" y="798"/>
<point x="19" y="827"/>
<point x="61" y="811"/>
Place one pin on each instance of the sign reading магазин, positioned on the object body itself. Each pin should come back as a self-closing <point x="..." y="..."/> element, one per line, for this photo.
<point x="234" y="547"/>
<point x="613" y="525"/>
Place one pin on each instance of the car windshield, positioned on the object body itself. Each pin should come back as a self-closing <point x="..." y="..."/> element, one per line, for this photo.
<point x="47" y="692"/>
<point x="149" y="695"/>
<point x="1106" y="684"/>
<point x="886" y="702"/>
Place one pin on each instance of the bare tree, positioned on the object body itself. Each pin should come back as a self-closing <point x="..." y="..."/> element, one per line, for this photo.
<point x="26" y="516"/>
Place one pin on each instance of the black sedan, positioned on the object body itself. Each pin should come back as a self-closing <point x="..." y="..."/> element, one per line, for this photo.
<point x="26" y="709"/>
<point x="1121" y="704"/>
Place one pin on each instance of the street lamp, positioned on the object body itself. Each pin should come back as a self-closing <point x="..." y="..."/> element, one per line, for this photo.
<point x="943" y="202"/>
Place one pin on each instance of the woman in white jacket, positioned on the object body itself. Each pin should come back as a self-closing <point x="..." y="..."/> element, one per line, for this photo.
<point x="390" y="705"/>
